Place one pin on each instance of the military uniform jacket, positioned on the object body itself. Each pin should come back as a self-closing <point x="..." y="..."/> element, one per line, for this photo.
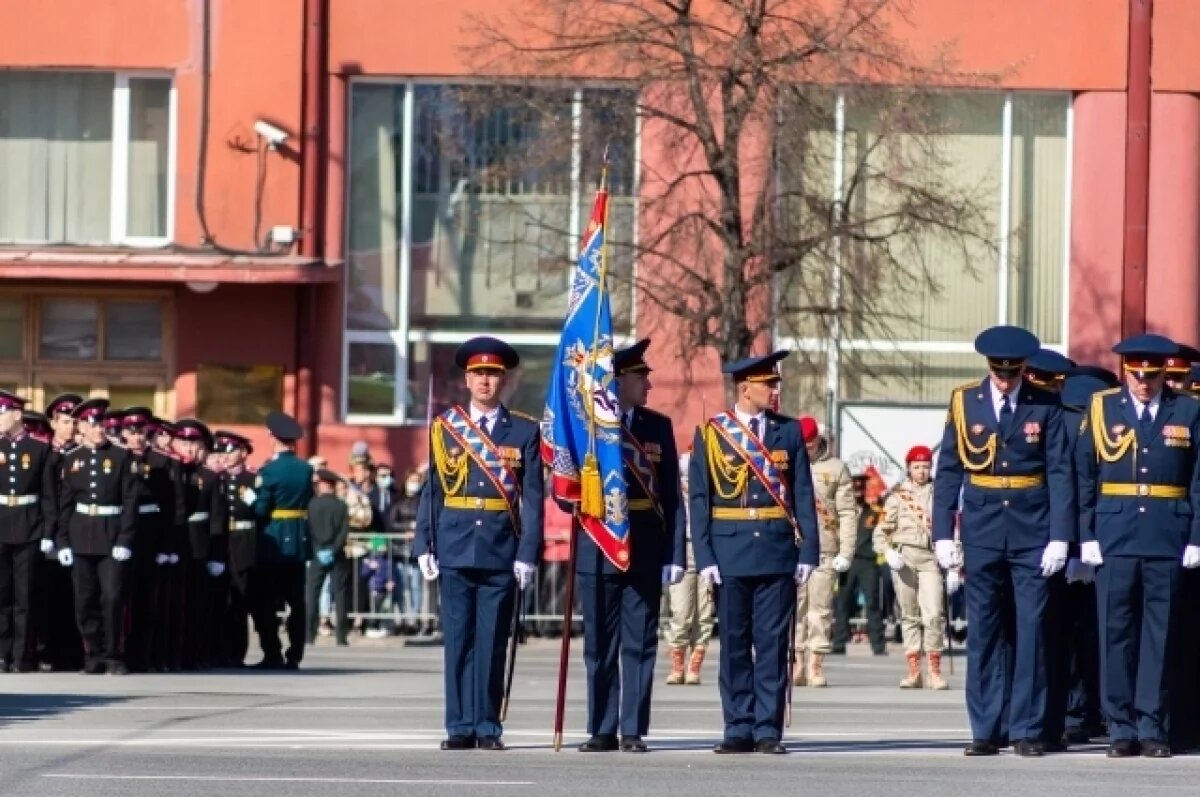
<point x="97" y="477"/>
<point x="158" y="485"/>
<point x="1121" y="476"/>
<point x="975" y="461"/>
<point x="837" y="511"/>
<point x="655" y="540"/>
<point x="284" y="485"/>
<point x="205" y="539"/>
<point x="753" y="547"/>
<point x="27" y="488"/>
<point x="907" y="514"/>
<point x="464" y="536"/>
<point x="236" y="519"/>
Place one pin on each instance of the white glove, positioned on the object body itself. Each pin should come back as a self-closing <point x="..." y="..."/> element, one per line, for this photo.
<point x="947" y="554"/>
<point x="1089" y="553"/>
<point x="121" y="553"/>
<point x="1191" y="556"/>
<point x="672" y="574"/>
<point x="1053" y="558"/>
<point x="429" y="566"/>
<point x="803" y="571"/>
<point x="249" y="496"/>
<point x="894" y="559"/>
<point x="953" y="581"/>
<point x="65" y="557"/>
<point x="711" y="575"/>
<point x="174" y="559"/>
<point x="47" y="546"/>
<point x="524" y="574"/>
<point x="215" y="569"/>
<point x="840" y="564"/>
<point x="161" y="558"/>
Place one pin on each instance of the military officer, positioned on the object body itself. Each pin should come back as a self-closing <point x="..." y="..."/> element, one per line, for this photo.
<point x="1005" y="452"/>
<point x="1047" y="369"/>
<point x="621" y="600"/>
<point x="26" y="509"/>
<point x="1138" y="475"/>
<point x="1177" y="366"/>
<point x="97" y="505"/>
<point x="280" y="499"/>
<point x="203" y="546"/>
<point x="160" y="493"/>
<point x="63" y="648"/>
<point x="755" y="533"/>
<point x="112" y="426"/>
<point x="242" y="525"/>
<point x="479" y="527"/>
<point x="37" y="426"/>
<point x="837" y="513"/>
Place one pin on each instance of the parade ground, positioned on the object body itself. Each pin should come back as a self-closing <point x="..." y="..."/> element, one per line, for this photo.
<point x="367" y="721"/>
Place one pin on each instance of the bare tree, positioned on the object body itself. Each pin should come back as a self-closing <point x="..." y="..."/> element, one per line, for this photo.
<point x="758" y="213"/>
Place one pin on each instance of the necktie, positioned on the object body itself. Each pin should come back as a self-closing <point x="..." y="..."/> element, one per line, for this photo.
<point x="483" y="426"/>
<point x="1146" y="419"/>
<point x="754" y="426"/>
<point x="1006" y="416"/>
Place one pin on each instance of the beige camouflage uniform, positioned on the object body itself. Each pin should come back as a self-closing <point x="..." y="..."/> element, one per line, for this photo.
<point x="919" y="588"/>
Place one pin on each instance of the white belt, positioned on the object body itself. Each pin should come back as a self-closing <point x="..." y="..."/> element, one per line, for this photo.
<point x="147" y="509"/>
<point x="18" y="500"/>
<point x="196" y="517"/>
<point x="98" y="510"/>
<point x="241" y="525"/>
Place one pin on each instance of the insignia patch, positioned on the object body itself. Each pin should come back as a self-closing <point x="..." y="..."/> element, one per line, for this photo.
<point x="508" y="452"/>
<point x="25" y="462"/>
<point x="779" y="456"/>
<point x="75" y="466"/>
<point x="1033" y="427"/>
<point x="258" y="482"/>
<point x="1173" y="432"/>
<point x="3" y="459"/>
<point x="108" y="466"/>
<point x="1118" y="428"/>
<point x="977" y="429"/>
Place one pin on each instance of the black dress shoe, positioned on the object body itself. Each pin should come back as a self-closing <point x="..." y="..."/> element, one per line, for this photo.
<point x="491" y="743"/>
<point x="979" y="747"/>
<point x="459" y="743"/>
<point x="1122" y="748"/>
<point x="1152" y="748"/>
<point x="24" y="666"/>
<point x="1076" y="736"/>
<point x="95" y="667"/>
<point x="770" y="747"/>
<point x="291" y="665"/>
<point x="633" y="744"/>
<point x="117" y="668"/>
<point x="601" y="743"/>
<point x="269" y="664"/>
<point x="1054" y="746"/>
<point x="1029" y="748"/>
<point x="733" y="746"/>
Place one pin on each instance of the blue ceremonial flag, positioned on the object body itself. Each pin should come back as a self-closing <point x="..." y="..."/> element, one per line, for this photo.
<point x="581" y="427"/>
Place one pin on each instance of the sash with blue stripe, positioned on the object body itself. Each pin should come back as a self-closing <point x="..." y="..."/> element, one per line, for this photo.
<point x="755" y="454"/>
<point x="637" y="461"/>
<point x="458" y="424"/>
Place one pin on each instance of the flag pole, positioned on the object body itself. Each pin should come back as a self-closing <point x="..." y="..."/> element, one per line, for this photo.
<point x="564" y="652"/>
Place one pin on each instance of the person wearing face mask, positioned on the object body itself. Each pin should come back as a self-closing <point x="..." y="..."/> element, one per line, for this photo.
<point x="1004" y="458"/>
<point x="904" y="539"/>
<point x="402" y="521"/>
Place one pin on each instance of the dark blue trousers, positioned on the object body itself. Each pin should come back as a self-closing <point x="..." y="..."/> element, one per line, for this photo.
<point x="1006" y="663"/>
<point x="620" y="640"/>
<point x="1073" y="659"/>
<point x="1135" y="597"/>
<point x="476" y="618"/>
<point x="755" y="614"/>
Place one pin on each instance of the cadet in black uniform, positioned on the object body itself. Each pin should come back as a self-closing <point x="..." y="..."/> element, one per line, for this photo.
<point x="241" y="528"/>
<point x="63" y="648"/>
<point x="26" y="502"/>
<point x="98" y="509"/>
<point x="203" y="553"/>
<point x="159" y="494"/>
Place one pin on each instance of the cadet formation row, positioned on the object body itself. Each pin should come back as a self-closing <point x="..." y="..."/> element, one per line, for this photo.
<point x="131" y="543"/>
<point x="1072" y="521"/>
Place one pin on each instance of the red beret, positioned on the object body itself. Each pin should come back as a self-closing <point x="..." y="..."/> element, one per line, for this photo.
<point x="918" y="454"/>
<point x="808" y="427"/>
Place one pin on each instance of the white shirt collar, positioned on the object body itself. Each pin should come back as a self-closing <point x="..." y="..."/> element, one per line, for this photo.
<point x="746" y="418"/>
<point x="997" y="397"/>
<point x="478" y="415"/>
<point x="1154" y="405"/>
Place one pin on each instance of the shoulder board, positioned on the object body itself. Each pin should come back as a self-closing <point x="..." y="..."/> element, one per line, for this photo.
<point x="525" y="415"/>
<point x="1108" y="391"/>
<point x="779" y="417"/>
<point x="965" y="386"/>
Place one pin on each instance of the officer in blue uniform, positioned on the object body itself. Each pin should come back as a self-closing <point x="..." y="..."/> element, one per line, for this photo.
<point x="621" y="601"/>
<point x="755" y="535"/>
<point x="479" y="527"/>
<point x="1138" y="474"/>
<point x="280" y="499"/>
<point x="1005" y="452"/>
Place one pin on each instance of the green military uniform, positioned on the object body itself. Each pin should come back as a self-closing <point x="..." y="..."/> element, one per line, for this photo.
<point x="280" y="500"/>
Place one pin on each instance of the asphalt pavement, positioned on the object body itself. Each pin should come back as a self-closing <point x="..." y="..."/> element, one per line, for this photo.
<point x="366" y="720"/>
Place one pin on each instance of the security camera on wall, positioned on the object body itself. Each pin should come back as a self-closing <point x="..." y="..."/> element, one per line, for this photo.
<point x="274" y="136"/>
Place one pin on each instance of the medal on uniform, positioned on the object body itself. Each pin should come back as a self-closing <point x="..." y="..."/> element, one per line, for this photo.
<point x="1118" y="428"/>
<point x="1033" y="432"/>
<point x="977" y="429"/>
<point x="108" y="466"/>
<point x="25" y="461"/>
<point x="3" y="458"/>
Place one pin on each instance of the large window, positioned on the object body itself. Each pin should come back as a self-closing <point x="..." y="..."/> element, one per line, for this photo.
<point x="86" y="158"/>
<point x="466" y="205"/>
<point x="907" y="339"/>
<point x="97" y="344"/>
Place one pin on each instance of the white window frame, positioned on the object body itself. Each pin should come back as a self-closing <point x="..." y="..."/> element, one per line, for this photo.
<point x="404" y="335"/>
<point x="119" y="204"/>
<point x="832" y="346"/>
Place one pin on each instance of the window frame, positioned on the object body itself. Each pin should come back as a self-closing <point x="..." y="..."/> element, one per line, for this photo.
<point x="119" y="101"/>
<point x="404" y="334"/>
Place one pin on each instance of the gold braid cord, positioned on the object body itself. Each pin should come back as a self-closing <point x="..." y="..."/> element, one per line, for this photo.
<point x="452" y="470"/>
<point x="967" y="452"/>
<point x="722" y="471"/>
<point x="1108" y="449"/>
